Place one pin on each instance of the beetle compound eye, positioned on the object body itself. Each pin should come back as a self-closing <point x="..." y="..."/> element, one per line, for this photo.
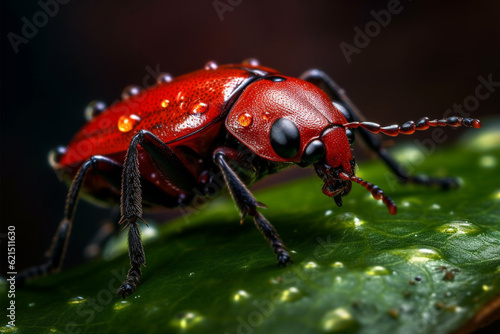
<point x="285" y="138"/>
<point x="350" y="136"/>
<point x="314" y="151"/>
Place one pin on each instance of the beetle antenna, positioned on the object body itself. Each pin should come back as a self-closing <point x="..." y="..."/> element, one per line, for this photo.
<point x="376" y="192"/>
<point x="409" y="128"/>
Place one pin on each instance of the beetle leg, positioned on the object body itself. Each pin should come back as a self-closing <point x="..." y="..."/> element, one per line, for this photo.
<point x="131" y="196"/>
<point x="98" y="164"/>
<point x="248" y="205"/>
<point x="352" y="114"/>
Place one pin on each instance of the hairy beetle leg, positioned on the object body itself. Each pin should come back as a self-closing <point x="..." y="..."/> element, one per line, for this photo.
<point x="131" y="197"/>
<point x="100" y="165"/>
<point x="248" y="205"/>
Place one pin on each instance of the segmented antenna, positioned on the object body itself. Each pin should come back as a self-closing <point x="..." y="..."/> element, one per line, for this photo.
<point x="409" y="128"/>
<point x="376" y="192"/>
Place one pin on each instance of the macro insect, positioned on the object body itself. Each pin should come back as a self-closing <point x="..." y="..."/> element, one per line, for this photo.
<point x="163" y="145"/>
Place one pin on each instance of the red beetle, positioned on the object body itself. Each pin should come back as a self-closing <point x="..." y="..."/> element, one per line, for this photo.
<point x="169" y="143"/>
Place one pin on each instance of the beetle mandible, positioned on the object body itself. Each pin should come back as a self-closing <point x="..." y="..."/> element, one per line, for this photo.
<point x="162" y="145"/>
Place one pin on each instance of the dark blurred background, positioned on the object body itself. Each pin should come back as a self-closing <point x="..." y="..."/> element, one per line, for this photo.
<point x="424" y="61"/>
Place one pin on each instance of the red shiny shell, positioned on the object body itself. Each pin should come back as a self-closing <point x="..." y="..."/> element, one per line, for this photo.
<point x="172" y="111"/>
<point x="265" y="101"/>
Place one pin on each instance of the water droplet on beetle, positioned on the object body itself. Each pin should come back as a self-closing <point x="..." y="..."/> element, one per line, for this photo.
<point x="76" y="300"/>
<point x="120" y="305"/>
<point x="211" y="65"/>
<point x="251" y="62"/>
<point x="93" y="109"/>
<point x="186" y="320"/>
<point x="165" y="103"/>
<point x="163" y="78"/>
<point x="338" y="320"/>
<point x="130" y="91"/>
<point x="128" y="123"/>
<point x="199" y="108"/>
<point x="245" y="119"/>
<point x="377" y="271"/>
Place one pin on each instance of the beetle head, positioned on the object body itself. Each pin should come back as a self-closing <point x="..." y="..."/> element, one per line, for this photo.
<point x="285" y="119"/>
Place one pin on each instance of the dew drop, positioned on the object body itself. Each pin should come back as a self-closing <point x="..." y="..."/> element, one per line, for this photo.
<point x="128" y="123"/>
<point x="349" y="220"/>
<point x="32" y="304"/>
<point x="486" y="287"/>
<point x="450" y="230"/>
<point x="496" y="195"/>
<point x="310" y="265"/>
<point x="76" y="300"/>
<point x="290" y="295"/>
<point x="186" y="320"/>
<point x="487" y="161"/>
<point x="199" y="108"/>
<point x="416" y="254"/>
<point x="93" y="109"/>
<point x="338" y="320"/>
<point x="130" y="91"/>
<point x="191" y="274"/>
<point x="165" y="103"/>
<point x="8" y="329"/>
<point x="163" y="78"/>
<point x="460" y="227"/>
<point x="338" y="265"/>
<point x="211" y="65"/>
<point x="377" y="271"/>
<point x="406" y="204"/>
<point x="245" y="119"/>
<point x="54" y="330"/>
<point x="251" y="62"/>
<point x="120" y="305"/>
<point x="328" y="212"/>
<point x="240" y="296"/>
<point x="435" y="206"/>
<point x="149" y="233"/>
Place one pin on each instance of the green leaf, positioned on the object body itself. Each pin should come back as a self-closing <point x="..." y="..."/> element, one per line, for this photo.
<point x="356" y="268"/>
